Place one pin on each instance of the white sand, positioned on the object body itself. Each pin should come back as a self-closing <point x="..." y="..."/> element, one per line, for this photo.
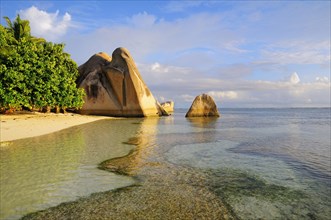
<point x="13" y="127"/>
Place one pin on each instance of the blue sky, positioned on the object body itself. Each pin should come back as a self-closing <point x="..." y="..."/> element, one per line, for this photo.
<point x="243" y="53"/>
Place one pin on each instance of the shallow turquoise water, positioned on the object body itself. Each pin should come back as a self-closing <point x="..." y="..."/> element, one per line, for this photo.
<point x="37" y="173"/>
<point x="264" y="163"/>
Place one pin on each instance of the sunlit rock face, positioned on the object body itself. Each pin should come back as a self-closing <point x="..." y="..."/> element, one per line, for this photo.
<point x="115" y="87"/>
<point x="203" y="106"/>
<point x="168" y="106"/>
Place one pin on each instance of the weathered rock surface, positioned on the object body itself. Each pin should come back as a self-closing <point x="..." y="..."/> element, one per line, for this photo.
<point x="168" y="106"/>
<point x="115" y="87"/>
<point x="203" y="106"/>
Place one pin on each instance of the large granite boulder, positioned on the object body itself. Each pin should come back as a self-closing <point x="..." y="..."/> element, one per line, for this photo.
<point x="115" y="87"/>
<point x="203" y="106"/>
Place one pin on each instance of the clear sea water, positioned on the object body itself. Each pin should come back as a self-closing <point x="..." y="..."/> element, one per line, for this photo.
<point x="263" y="163"/>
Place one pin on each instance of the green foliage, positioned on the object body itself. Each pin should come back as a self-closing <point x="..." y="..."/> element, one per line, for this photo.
<point x="35" y="74"/>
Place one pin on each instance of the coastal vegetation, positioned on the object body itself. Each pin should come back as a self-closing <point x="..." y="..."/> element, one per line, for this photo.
<point x="35" y="74"/>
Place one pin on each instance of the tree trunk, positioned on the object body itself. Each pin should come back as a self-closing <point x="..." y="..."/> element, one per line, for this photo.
<point x="57" y="109"/>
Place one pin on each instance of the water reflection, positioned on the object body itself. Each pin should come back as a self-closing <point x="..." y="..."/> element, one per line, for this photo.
<point x="203" y="122"/>
<point x="40" y="172"/>
<point x="144" y="142"/>
<point x="162" y="189"/>
<point x="244" y="159"/>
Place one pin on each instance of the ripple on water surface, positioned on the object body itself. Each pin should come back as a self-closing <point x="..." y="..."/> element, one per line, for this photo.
<point x="255" y="187"/>
<point x="268" y="164"/>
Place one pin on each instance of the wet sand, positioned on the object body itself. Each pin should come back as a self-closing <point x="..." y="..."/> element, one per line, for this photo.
<point x="18" y="126"/>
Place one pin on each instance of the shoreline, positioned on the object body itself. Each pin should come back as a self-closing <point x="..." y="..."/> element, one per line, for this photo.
<point x="26" y="125"/>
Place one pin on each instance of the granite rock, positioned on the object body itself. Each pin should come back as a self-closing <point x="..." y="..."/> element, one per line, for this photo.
<point x="203" y="106"/>
<point x="114" y="87"/>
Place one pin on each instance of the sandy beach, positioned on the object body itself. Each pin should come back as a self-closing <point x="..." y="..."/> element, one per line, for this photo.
<point x="18" y="126"/>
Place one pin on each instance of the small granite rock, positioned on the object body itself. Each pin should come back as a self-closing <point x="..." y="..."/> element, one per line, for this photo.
<point x="203" y="106"/>
<point x="168" y="106"/>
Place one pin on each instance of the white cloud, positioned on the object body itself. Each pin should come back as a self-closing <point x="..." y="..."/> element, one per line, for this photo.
<point x="183" y="84"/>
<point x="294" y="79"/>
<point x="157" y="68"/>
<point x="298" y="52"/>
<point x="290" y="93"/>
<point x="144" y="35"/>
<point x="221" y="53"/>
<point x="142" y="19"/>
<point x="323" y="79"/>
<point x="187" y="98"/>
<point x="235" y="71"/>
<point x="249" y="93"/>
<point x="47" y="25"/>
<point x="220" y="95"/>
<point x="234" y="46"/>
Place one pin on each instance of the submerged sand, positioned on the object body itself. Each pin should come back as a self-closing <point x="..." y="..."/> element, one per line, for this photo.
<point x="165" y="193"/>
<point x="18" y="126"/>
<point x="162" y="191"/>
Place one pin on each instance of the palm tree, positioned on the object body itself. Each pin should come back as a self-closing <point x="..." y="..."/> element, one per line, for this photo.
<point x="21" y="29"/>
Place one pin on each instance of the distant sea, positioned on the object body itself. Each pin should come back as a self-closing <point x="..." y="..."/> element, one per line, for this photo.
<point x="262" y="163"/>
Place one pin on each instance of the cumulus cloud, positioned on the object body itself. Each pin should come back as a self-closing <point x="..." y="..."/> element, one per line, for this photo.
<point x="240" y="63"/>
<point x="48" y="25"/>
<point x="183" y="84"/>
<point x="323" y="79"/>
<point x="291" y="93"/>
<point x="220" y="95"/>
<point x="157" y="68"/>
<point x="294" y="79"/>
<point x="160" y="74"/>
<point x="248" y="93"/>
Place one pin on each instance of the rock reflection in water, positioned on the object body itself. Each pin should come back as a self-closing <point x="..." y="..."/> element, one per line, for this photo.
<point x="203" y="122"/>
<point x="162" y="191"/>
<point x="144" y="143"/>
